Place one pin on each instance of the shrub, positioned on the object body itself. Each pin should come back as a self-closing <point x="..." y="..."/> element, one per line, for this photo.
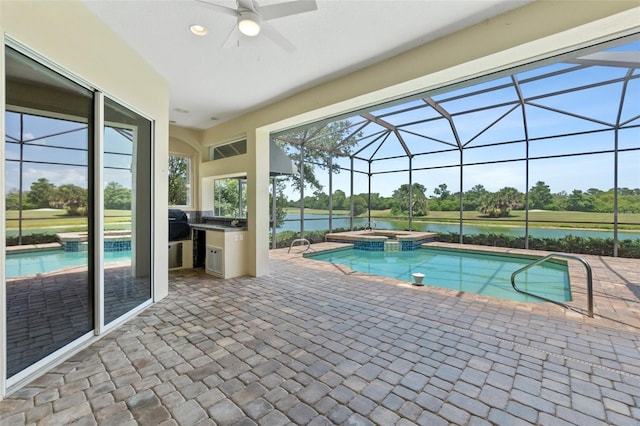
<point x="567" y="244"/>
<point x="285" y="238"/>
<point x="29" y="239"/>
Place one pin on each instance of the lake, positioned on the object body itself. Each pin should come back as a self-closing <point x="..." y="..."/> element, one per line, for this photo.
<point x="316" y="222"/>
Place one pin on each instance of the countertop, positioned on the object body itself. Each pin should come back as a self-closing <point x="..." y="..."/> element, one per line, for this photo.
<point x="217" y="228"/>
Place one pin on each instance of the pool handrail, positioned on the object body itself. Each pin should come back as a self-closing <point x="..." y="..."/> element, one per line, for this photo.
<point x="300" y="240"/>
<point x="370" y="225"/>
<point x="565" y="256"/>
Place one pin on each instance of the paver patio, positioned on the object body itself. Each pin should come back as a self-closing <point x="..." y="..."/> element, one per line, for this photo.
<point x="314" y="344"/>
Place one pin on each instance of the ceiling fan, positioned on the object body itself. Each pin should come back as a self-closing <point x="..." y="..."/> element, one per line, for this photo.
<point x="252" y="19"/>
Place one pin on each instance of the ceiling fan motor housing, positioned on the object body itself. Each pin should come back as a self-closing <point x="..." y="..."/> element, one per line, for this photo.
<point x="249" y="22"/>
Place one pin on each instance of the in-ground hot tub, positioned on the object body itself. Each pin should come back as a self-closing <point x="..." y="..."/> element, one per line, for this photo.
<point x="117" y="240"/>
<point x="381" y="239"/>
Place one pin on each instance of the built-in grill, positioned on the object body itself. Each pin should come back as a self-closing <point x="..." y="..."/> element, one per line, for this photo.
<point x="179" y="228"/>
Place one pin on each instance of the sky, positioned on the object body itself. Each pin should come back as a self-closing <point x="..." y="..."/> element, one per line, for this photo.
<point x="71" y="167"/>
<point x="599" y="105"/>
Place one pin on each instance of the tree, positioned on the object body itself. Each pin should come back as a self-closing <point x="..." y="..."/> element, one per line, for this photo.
<point x="117" y="197"/>
<point x="580" y="201"/>
<point x="72" y="198"/>
<point x="401" y="200"/>
<point x="40" y="193"/>
<point x="442" y="192"/>
<point x="501" y="203"/>
<point x="378" y="202"/>
<point x="339" y="200"/>
<point x="540" y="196"/>
<point x="320" y="145"/>
<point x="559" y="200"/>
<point x="473" y="198"/>
<point x="510" y="198"/>
<point x="594" y="191"/>
<point x="359" y="205"/>
<point x="12" y="200"/>
<point x="178" y="180"/>
<point x="321" y="201"/>
<point x="281" y="203"/>
<point x="226" y="201"/>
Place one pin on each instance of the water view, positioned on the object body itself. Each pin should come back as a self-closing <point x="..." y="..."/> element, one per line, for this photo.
<point x="316" y="222"/>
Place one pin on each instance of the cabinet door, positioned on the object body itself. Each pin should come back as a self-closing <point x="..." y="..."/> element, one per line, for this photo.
<point x="215" y="261"/>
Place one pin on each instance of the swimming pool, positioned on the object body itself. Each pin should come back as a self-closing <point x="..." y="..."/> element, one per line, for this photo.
<point x="470" y="271"/>
<point x="39" y="262"/>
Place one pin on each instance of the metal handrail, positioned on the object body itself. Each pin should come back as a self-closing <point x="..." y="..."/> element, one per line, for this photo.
<point x="565" y="256"/>
<point x="300" y="240"/>
<point x="370" y="225"/>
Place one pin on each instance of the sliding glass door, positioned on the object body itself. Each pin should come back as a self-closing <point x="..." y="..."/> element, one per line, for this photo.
<point x="78" y="212"/>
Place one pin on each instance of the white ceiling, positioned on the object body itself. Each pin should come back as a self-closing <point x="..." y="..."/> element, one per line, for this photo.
<point x="210" y="84"/>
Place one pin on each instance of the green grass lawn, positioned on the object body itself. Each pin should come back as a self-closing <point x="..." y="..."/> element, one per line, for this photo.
<point x="57" y="220"/>
<point x="539" y="219"/>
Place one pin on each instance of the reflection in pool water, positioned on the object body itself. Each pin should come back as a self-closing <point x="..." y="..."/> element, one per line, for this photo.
<point x="39" y="262"/>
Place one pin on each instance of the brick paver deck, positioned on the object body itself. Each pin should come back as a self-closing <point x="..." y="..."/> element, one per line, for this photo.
<point x="314" y="344"/>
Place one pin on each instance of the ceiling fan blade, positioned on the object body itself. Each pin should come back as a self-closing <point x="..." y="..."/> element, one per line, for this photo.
<point x="219" y="8"/>
<point x="274" y="35"/>
<point x="233" y="39"/>
<point x="273" y="11"/>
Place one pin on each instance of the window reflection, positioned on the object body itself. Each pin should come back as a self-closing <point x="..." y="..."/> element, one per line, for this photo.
<point x="48" y="275"/>
<point x="127" y="210"/>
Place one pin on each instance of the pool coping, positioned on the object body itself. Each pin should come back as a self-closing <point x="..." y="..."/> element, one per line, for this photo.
<point x="616" y="283"/>
<point x="28" y="248"/>
<point x="377" y="240"/>
<point x="64" y="271"/>
<point x="380" y="234"/>
<point x="452" y="248"/>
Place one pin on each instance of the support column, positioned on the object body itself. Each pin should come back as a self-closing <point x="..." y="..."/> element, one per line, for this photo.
<point x="274" y="234"/>
<point x="410" y="193"/>
<point x="351" y="198"/>
<point x="330" y="194"/>
<point x="258" y="202"/>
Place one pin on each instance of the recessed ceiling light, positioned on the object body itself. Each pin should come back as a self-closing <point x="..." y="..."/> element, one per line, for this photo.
<point x="182" y="110"/>
<point x="198" y="30"/>
<point x="214" y="119"/>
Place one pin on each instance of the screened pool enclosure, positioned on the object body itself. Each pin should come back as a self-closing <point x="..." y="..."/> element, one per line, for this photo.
<point x="551" y="148"/>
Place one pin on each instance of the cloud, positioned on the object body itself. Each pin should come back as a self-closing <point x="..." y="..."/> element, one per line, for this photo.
<point x="56" y="175"/>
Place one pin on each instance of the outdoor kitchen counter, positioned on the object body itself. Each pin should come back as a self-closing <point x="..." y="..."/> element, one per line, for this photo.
<point x="217" y="228"/>
<point x="225" y="252"/>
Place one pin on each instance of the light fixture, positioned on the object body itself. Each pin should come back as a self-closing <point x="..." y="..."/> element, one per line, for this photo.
<point x="198" y="30"/>
<point x="249" y="23"/>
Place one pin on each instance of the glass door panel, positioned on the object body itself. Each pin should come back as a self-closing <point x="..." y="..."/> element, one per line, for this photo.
<point x="127" y="210"/>
<point x="49" y="285"/>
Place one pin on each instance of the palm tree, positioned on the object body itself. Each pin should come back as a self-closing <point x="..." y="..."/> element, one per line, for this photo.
<point x="500" y="203"/>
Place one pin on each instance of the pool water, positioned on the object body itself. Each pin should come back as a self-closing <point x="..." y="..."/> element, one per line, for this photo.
<point x="39" y="262"/>
<point x="481" y="273"/>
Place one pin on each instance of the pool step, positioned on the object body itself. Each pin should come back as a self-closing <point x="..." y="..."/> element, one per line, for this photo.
<point x="393" y="245"/>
